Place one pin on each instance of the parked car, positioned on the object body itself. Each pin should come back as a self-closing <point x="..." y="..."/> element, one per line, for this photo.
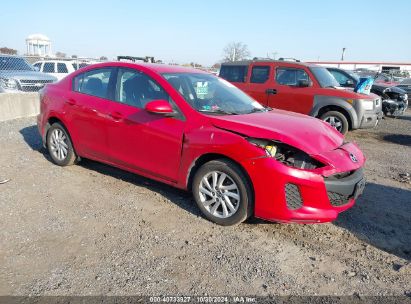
<point x="394" y="99"/>
<point x="304" y="88"/>
<point x="193" y="130"/>
<point x="17" y="75"/>
<point x="405" y="85"/>
<point x="58" y="68"/>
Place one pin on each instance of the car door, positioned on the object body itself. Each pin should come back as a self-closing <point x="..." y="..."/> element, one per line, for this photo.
<point x="140" y="140"/>
<point x="259" y="85"/>
<point x="88" y="107"/>
<point x="288" y="94"/>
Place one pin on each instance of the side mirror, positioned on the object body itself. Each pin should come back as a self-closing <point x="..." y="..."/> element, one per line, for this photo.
<point x="161" y="106"/>
<point x="36" y="69"/>
<point x="302" y="83"/>
<point x="349" y="83"/>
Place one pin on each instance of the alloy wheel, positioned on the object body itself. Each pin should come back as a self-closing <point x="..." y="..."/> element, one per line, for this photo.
<point x="59" y="144"/>
<point x="219" y="194"/>
<point x="335" y="122"/>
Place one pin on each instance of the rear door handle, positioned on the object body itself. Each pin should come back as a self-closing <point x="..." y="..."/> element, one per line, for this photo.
<point x="116" y="116"/>
<point x="71" y="101"/>
<point x="271" y="91"/>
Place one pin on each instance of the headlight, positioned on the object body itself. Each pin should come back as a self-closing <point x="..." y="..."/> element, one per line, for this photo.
<point x="8" y="83"/>
<point x="286" y="154"/>
<point x="367" y="104"/>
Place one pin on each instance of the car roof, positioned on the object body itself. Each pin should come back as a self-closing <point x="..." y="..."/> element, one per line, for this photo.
<point x="155" y="67"/>
<point x="282" y="62"/>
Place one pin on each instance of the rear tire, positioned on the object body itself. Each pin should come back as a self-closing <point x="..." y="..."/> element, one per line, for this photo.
<point x="223" y="192"/>
<point x="337" y="120"/>
<point x="59" y="145"/>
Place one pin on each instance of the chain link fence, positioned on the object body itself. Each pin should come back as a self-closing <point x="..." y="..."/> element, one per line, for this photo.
<point x="32" y="73"/>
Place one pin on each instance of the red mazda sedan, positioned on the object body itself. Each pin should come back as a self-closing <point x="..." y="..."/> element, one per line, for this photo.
<point x="195" y="131"/>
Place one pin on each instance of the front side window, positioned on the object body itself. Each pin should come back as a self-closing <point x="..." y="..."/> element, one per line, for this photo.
<point x="48" y="67"/>
<point x="233" y="73"/>
<point x="290" y="76"/>
<point x="137" y="89"/>
<point x="62" y="68"/>
<point x="212" y="95"/>
<point x="260" y="74"/>
<point x="94" y="82"/>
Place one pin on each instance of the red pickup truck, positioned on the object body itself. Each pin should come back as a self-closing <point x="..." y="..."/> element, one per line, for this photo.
<point x="304" y="88"/>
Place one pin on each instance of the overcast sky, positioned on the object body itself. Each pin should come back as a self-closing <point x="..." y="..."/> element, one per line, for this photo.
<point x="197" y="31"/>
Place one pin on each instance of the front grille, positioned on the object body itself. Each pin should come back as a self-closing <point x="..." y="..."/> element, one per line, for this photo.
<point x="293" y="197"/>
<point x="28" y="85"/>
<point x="337" y="199"/>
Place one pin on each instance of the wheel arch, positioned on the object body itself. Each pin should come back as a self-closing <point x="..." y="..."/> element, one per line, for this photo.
<point x="205" y="158"/>
<point x="54" y="119"/>
<point x="326" y="109"/>
<point x="323" y="104"/>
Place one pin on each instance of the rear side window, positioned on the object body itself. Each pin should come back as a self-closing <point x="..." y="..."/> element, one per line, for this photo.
<point x="48" y="67"/>
<point x="94" y="82"/>
<point x="290" y="76"/>
<point x="233" y="73"/>
<point x="260" y="74"/>
<point x="61" y="68"/>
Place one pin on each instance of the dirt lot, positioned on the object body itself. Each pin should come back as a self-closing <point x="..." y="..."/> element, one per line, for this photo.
<point x="92" y="229"/>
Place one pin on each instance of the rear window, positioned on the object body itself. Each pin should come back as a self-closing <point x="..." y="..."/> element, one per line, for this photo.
<point x="61" y="68"/>
<point x="260" y="74"/>
<point x="234" y="73"/>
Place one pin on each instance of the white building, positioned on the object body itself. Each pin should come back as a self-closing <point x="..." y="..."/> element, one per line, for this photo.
<point x="38" y="45"/>
<point x="373" y="66"/>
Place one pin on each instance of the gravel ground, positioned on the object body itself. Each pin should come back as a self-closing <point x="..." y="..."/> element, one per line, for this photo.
<point x="91" y="229"/>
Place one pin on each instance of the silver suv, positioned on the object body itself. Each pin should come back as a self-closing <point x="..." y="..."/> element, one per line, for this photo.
<point x="17" y="75"/>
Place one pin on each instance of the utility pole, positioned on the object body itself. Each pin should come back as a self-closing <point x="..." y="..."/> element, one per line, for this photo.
<point x="343" y="53"/>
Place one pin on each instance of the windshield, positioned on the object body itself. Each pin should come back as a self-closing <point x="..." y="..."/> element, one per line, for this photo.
<point x="353" y="75"/>
<point x="212" y="95"/>
<point x="14" y="64"/>
<point x="324" y="77"/>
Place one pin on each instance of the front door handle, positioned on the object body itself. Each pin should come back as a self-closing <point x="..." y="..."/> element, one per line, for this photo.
<point x="116" y="116"/>
<point x="271" y="91"/>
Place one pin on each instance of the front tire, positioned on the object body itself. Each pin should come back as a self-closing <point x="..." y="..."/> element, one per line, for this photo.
<point x="60" y="146"/>
<point x="337" y="120"/>
<point x="223" y="192"/>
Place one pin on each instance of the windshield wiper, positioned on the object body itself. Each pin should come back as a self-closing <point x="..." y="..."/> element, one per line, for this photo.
<point x="264" y="109"/>
<point x="218" y="111"/>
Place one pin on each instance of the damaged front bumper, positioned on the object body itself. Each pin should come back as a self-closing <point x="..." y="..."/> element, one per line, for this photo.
<point x="394" y="107"/>
<point x="290" y="195"/>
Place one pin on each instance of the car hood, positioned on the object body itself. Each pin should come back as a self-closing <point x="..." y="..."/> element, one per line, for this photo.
<point x="379" y="87"/>
<point x="306" y="133"/>
<point x="27" y="75"/>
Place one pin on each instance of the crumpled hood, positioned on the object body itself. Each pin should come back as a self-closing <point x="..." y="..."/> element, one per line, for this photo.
<point x="306" y="133"/>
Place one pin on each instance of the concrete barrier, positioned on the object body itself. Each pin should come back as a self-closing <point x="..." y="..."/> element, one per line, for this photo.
<point x="18" y="105"/>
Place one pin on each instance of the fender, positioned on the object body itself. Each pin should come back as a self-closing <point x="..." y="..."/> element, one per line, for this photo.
<point x="321" y="101"/>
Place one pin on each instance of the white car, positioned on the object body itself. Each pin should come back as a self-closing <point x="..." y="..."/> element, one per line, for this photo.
<point x="58" y="68"/>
